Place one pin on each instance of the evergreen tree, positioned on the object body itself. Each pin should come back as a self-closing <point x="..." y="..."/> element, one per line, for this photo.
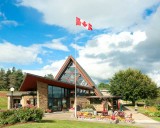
<point x="3" y="84"/>
<point x="10" y="78"/>
<point x="8" y="73"/>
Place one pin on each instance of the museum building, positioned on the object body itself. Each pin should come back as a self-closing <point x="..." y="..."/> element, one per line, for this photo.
<point x="59" y="93"/>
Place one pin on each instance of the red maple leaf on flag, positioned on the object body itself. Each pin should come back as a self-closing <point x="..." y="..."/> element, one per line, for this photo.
<point x="83" y="23"/>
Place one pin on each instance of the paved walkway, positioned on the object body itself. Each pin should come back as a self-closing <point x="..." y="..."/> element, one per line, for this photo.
<point x="140" y="119"/>
<point x="59" y="116"/>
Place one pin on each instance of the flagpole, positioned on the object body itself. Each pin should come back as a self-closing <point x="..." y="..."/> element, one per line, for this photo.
<point x="79" y="22"/>
<point x="75" y="79"/>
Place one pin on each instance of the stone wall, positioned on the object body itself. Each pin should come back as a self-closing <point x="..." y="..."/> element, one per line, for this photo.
<point x="98" y="107"/>
<point x="42" y="95"/>
<point x="82" y="101"/>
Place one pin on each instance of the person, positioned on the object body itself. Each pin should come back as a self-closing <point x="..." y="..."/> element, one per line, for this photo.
<point x="110" y="112"/>
<point x="29" y="105"/>
<point x="19" y="105"/>
<point x="136" y="108"/>
<point x="130" y="116"/>
<point x="115" y="113"/>
<point x="16" y="105"/>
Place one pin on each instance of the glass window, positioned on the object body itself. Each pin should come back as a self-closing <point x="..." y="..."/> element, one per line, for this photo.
<point x="56" y="96"/>
<point x="50" y="103"/>
<point x="57" y="92"/>
<point x="49" y="91"/>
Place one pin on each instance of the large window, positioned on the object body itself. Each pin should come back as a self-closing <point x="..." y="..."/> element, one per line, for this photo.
<point x="69" y="75"/>
<point x="56" y="97"/>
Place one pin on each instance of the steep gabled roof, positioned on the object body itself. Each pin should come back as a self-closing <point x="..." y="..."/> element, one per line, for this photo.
<point x="67" y="74"/>
<point x="30" y="83"/>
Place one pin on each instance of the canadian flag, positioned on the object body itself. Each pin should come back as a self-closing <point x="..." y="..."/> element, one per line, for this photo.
<point x="83" y="23"/>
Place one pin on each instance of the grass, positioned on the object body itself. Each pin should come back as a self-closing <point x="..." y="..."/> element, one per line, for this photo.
<point x="3" y="101"/>
<point x="156" y="118"/>
<point x="69" y="124"/>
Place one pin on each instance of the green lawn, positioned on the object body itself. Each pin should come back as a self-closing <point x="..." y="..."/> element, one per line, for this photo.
<point x="69" y="124"/>
<point x="156" y="118"/>
<point x="3" y="101"/>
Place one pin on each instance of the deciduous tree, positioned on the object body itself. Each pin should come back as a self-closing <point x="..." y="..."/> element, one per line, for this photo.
<point x="132" y="85"/>
<point x="104" y="86"/>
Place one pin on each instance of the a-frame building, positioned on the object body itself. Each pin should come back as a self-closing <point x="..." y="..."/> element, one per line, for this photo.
<point x="72" y="69"/>
<point x="57" y="93"/>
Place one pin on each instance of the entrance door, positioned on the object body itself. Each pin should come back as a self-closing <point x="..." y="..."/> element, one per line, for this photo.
<point x="57" y="104"/>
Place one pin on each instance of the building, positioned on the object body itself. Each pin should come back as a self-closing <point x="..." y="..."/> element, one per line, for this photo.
<point x="59" y="93"/>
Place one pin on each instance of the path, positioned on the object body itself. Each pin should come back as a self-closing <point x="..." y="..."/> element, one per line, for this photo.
<point x="59" y="116"/>
<point x="140" y="119"/>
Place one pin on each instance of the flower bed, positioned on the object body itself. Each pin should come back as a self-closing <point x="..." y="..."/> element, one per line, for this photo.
<point x="109" y="118"/>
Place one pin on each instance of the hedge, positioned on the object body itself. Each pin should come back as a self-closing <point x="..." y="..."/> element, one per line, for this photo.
<point x="20" y="115"/>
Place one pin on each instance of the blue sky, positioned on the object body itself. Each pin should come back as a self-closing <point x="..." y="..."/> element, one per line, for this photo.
<point x="38" y="35"/>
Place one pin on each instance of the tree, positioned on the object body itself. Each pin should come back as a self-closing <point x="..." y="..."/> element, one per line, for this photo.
<point x="104" y="86"/>
<point x="2" y="79"/>
<point x="10" y="77"/>
<point x="19" y="78"/>
<point x="133" y="85"/>
<point x="8" y="73"/>
<point x="50" y="76"/>
<point x="15" y="78"/>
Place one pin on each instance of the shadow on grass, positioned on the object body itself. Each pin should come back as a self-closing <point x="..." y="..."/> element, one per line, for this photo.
<point x="47" y="121"/>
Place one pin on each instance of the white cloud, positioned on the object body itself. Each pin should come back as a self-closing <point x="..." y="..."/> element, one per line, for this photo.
<point x="77" y="47"/>
<point x="10" y="53"/>
<point x="56" y="44"/>
<point x="106" y="43"/>
<point x="136" y="45"/>
<point x="155" y="75"/>
<point x="19" y="54"/>
<point x="95" y="57"/>
<point x="5" y="21"/>
<point x="9" y="22"/>
<point x="98" y="54"/>
<point x="101" y="13"/>
<point x="48" y="69"/>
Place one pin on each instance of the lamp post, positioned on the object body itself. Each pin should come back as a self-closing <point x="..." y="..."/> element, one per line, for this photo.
<point x="12" y="90"/>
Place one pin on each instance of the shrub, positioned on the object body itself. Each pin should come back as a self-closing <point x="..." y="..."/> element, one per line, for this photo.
<point x="87" y="110"/>
<point x="151" y="114"/>
<point x="37" y="115"/>
<point x="12" y="119"/>
<point x="158" y="107"/>
<point x="157" y="114"/>
<point x="5" y="114"/>
<point x="89" y="106"/>
<point x="29" y="114"/>
<point x="20" y="115"/>
<point x="146" y="113"/>
<point x="149" y="102"/>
